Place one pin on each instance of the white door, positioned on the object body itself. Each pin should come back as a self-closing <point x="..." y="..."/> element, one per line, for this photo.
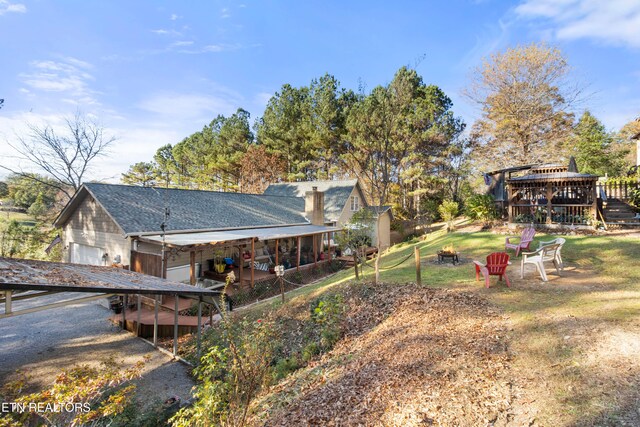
<point x="83" y="254"/>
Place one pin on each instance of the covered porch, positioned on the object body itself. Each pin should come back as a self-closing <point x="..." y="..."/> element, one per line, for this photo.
<point x="249" y="254"/>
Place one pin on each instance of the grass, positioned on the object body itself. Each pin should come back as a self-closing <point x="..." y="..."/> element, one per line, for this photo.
<point x="566" y="334"/>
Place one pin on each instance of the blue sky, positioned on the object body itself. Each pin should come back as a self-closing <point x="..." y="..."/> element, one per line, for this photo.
<point x="153" y="72"/>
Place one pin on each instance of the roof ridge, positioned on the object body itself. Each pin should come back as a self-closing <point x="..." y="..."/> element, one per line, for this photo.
<point x="186" y="189"/>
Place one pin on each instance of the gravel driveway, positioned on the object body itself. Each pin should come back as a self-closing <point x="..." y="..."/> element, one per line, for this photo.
<point x="44" y="343"/>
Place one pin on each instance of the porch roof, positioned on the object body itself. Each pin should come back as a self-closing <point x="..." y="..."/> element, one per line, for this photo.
<point x="217" y="237"/>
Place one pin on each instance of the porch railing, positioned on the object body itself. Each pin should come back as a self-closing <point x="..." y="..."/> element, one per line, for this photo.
<point x="293" y="279"/>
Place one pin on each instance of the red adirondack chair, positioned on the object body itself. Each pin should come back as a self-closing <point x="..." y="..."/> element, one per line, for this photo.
<point x="496" y="265"/>
<point x="525" y="240"/>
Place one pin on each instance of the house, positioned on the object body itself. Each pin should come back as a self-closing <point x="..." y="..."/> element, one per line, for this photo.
<point x="186" y="234"/>
<point x="341" y="200"/>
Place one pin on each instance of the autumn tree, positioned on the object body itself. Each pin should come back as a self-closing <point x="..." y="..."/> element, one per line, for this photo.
<point x="259" y="168"/>
<point x="143" y="174"/>
<point x="64" y="155"/>
<point x="526" y="95"/>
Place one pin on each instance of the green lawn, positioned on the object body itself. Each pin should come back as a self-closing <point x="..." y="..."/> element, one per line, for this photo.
<point x="575" y="339"/>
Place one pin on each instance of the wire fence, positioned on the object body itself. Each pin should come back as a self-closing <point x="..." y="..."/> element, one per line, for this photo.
<point x="292" y="279"/>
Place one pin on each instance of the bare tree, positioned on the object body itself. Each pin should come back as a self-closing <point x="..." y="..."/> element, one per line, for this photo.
<point x="526" y="95"/>
<point x="65" y="156"/>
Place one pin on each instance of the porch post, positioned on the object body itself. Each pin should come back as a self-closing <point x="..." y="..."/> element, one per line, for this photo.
<point x="298" y="254"/>
<point x="192" y="267"/>
<point x="315" y="249"/>
<point x="253" y="258"/>
<point x="549" y="206"/>
<point x="175" y="328"/>
<point x="277" y="250"/>
<point x="594" y="206"/>
<point x="240" y="262"/>
<point x="199" y="326"/>
<point x="509" y="204"/>
<point x="329" y="237"/>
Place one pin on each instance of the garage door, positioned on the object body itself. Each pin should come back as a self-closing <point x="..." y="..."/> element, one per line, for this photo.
<point x="83" y="254"/>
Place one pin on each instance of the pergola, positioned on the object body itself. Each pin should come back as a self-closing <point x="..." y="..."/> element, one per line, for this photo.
<point x="27" y="279"/>
<point x="546" y="197"/>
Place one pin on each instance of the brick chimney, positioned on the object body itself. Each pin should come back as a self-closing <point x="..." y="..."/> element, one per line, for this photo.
<point x="314" y="206"/>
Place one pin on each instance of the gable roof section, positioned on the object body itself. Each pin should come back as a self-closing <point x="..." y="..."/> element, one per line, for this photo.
<point x="336" y="193"/>
<point x="140" y="210"/>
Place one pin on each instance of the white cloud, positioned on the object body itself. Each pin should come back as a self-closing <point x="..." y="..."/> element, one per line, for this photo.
<point x="193" y="108"/>
<point x="181" y="43"/>
<point x="8" y="7"/>
<point x="262" y="99"/>
<point x="164" y="32"/>
<point x="68" y="75"/>
<point x="174" y="17"/>
<point x="613" y="21"/>
<point x="225" y="13"/>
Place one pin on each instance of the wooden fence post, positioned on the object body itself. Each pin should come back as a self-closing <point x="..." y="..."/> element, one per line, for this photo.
<point x="418" y="276"/>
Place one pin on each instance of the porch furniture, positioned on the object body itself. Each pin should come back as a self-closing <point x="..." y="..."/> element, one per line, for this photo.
<point x="496" y="265"/>
<point x="560" y="241"/>
<point x="525" y="240"/>
<point x="546" y="253"/>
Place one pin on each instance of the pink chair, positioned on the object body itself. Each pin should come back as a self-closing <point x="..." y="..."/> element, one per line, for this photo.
<point x="496" y="265"/>
<point x="525" y="240"/>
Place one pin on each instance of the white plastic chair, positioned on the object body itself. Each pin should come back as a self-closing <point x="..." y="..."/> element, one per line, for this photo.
<point x="559" y="241"/>
<point x="547" y="253"/>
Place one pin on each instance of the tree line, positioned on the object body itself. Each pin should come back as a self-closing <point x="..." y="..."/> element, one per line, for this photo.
<point x="398" y="139"/>
<point x="402" y="140"/>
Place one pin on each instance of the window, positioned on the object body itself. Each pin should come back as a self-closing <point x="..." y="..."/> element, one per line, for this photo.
<point x="355" y="203"/>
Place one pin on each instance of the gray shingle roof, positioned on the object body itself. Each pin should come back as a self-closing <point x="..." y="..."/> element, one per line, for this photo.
<point x="557" y="175"/>
<point x="336" y="193"/>
<point x="140" y="209"/>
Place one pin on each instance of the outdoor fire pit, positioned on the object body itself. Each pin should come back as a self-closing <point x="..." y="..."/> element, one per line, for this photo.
<point x="448" y="253"/>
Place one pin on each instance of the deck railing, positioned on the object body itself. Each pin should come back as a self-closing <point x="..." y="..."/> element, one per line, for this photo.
<point x="580" y="214"/>
<point x="621" y="190"/>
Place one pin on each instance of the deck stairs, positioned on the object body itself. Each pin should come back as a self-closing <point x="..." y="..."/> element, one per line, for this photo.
<point x="620" y="214"/>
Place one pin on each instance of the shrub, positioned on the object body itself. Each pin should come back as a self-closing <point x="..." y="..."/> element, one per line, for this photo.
<point x="481" y="207"/>
<point x="448" y="211"/>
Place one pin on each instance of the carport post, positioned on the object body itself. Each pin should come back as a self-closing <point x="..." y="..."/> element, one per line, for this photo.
<point x="125" y="302"/>
<point x="155" y="321"/>
<point x="199" y="326"/>
<point x="7" y="302"/>
<point x="175" y="329"/>
<point x="138" y="315"/>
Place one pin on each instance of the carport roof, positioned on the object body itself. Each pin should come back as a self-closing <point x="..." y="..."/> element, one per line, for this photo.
<point x="21" y="274"/>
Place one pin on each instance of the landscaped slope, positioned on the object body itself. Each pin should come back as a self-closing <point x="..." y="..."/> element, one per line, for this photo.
<point x="410" y="356"/>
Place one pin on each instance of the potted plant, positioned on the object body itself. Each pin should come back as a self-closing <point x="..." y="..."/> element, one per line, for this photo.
<point x="218" y="262"/>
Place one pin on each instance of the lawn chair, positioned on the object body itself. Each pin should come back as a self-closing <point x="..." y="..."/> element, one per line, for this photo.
<point x="496" y="265"/>
<point x="547" y="253"/>
<point x="559" y="241"/>
<point x="525" y="240"/>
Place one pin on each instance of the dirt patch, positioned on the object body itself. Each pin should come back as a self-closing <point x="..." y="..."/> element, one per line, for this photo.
<point x="418" y="357"/>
